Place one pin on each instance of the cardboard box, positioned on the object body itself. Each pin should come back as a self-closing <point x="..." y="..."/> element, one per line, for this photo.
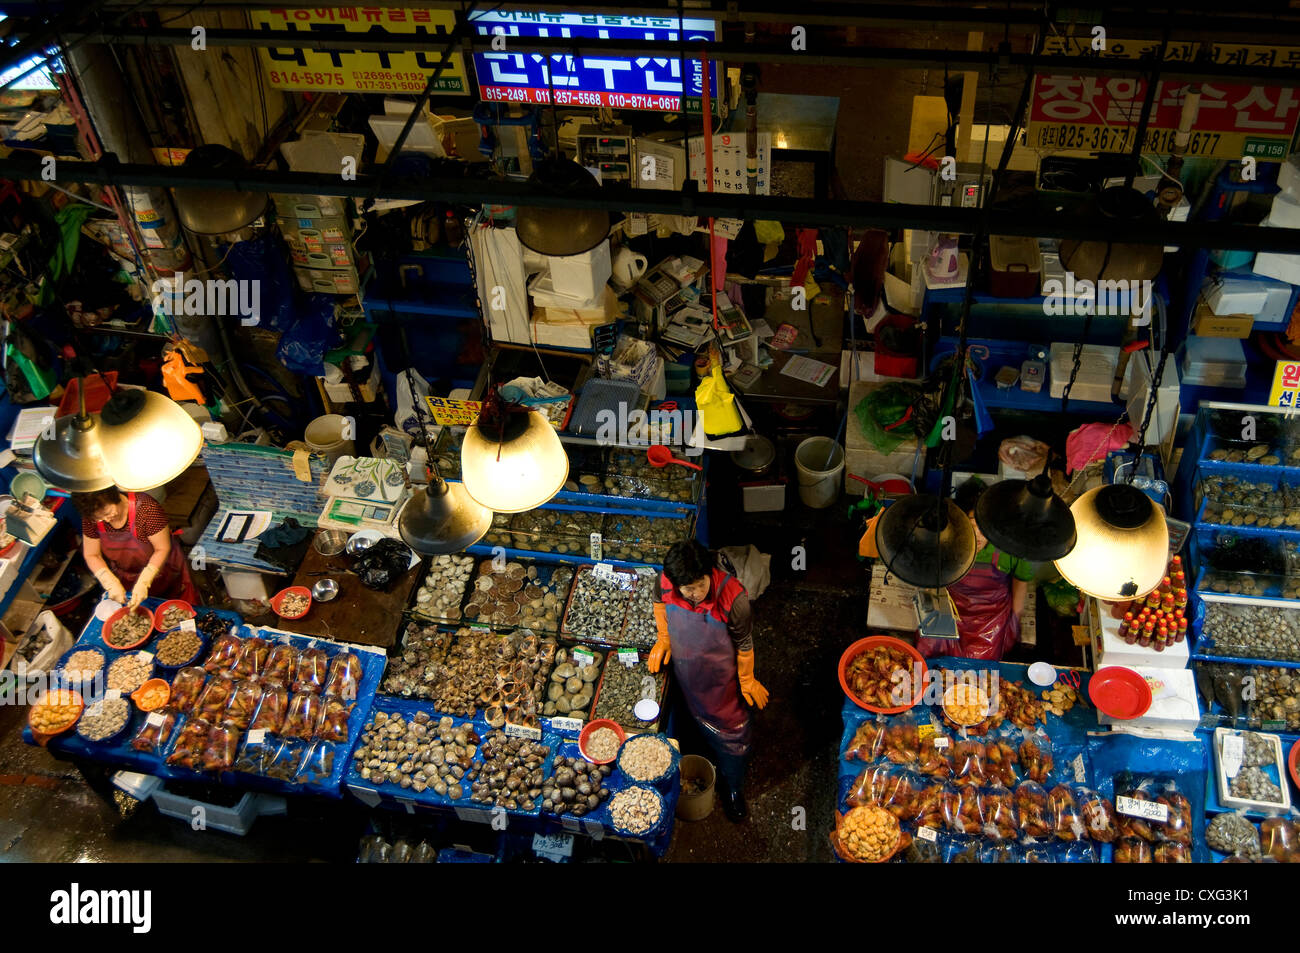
<point x="1174" y="704"/>
<point x="1109" y="649"/>
<point x="1207" y="324"/>
<point x="568" y="327"/>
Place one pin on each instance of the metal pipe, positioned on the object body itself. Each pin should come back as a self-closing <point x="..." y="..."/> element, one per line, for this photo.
<point x="1144" y="120"/>
<point x="801" y="211"/>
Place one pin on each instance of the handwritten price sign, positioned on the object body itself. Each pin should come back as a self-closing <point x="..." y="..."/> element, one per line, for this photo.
<point x="453" y="413"/>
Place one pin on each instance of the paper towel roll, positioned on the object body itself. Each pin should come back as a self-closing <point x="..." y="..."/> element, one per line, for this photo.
<point x="1285" y="212"/>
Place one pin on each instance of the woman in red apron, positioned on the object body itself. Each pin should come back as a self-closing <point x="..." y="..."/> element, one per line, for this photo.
<point x="127" y="545"/>
<point x="705" y="629"/>
<point x="988" y="599"/>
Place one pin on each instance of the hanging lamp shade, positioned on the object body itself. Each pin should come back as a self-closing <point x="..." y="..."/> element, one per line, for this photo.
<point x="1118" y="207"/>
<point x="73" y="459"/>
<point x="148" y="439"/>
<point x="561" y="231"/>
<point x="1026" y="519"/>
<point x="926" y="542"/>
<point x="217" y="211"/>
<point x="511" y="461"/>
<point x="443" y="518"/>
<point x="1123" y="545"/>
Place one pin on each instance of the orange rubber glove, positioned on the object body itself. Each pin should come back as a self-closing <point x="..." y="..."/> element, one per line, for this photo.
<point x="750" y="687"/>
<point x="663" y="648"/>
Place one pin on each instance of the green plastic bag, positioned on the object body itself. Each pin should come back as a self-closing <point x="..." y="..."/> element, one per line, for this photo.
<point x="880" y="409"/>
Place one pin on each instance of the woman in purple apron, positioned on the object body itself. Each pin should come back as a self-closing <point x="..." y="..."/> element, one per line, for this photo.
<point x="126" y="543"/>
<point x="705" y="628"/>
<point x="988" y="599"/>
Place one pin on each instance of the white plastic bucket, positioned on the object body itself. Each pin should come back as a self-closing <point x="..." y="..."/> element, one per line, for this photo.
<point x="325" y="435"/>
<point x="819" y="486"/>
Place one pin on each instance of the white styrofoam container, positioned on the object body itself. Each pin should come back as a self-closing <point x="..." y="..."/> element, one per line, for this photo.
<point x="245" y="585"/>
<point x="582" y="276"/>
<point x="1109" y="649"/>
<point x="233" y="820"/>
<point x="1280" y="772"/>
<point x="1096" y="371"/>
<point x="1272" y="264"/>
<point x="1236" y="296"/>
<point x="763" y="497"/>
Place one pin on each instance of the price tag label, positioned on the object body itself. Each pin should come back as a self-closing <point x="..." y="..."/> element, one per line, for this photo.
<point x="1080" y="769"/>
<point x="257" y="736"/>
<point x="604" y="571"/>
<point x="480" y="626"/>
<point x="521" y="731"/>
<point x="628" y="657"/>
<point x="941" y="742"/>
<point x="567" y="724"/>
<point x="112" y="694"/>
<point x="474" y="815"/>
<point x="146" y="657"/>
<point x="583" y="656"/>
<point x="592" y="828"/>
<point x="570" y="824"/>
<point x="1148" y="810"/>
<point x="1233" y="753"/>
<point x="556" y="847"/>
<point x="597" y="547"/>
<point x="188" y="626"/>
<point x="155" y="719"/>
<point x="927" y="833"/>
<point x="1274" y="725"/>
<point x="924" y="731"/>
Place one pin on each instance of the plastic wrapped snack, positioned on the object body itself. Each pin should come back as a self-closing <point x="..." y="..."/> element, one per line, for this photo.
<point x="1129" y="824"/>
<point x="902" y="739"/>
<point x="333" y="724"/>
<point x="344" y="676"/>
<point x="223" y="654"/>
<point x="997" y="812"/>
<point x="1078" y="852"/>
<point x="304" y="712"/>
<point x="280" y="665"/>
<point x="1132" y="850"/>
<point x="153" y="736"/>
<point x="188" y="748"/>
<point x="901" y="794"/>
<point x="186" y="688"/>
<point x="1000" y="762"/>
<point x="1032" y="852"/>
<point x="271" y="709"/>
<point x="868" y="787"/>
<point x="221" y="748"/>
<point x="1173" y="852"/>
<point x="968" y="763"/>
<point x="961" y="810"/>
<point x="1035" y="751"/>
<point x="212" y="702"/>
<point x="1178" y="825"/>
<point x="313" y="668"/>
<point x="242" y="704"/>
<point x="959" y="849"/>
<point x="1098" y="815"/>
<point x="1034" y="810"/>
<point x="1000" y="852"/>
<point x="252" y="658"/>
<point x="929" y="806"/>
<point x="1068" y="824"/>
<point x="1279" y="838"/>
<point x="934" y="759"/>
<point x="867" y="742"/>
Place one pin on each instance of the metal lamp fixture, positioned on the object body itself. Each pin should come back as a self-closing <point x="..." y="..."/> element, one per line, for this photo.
<point x="511" y="459"/>
<point x="561" y="231"/>
<point x="442" y="518"/>
<point x="73" y="458"/>
<point x="217" y="211"/>
<point x="926" y="541"/>
<point x="1117" y="206"/>
<point x="1123" y="545"/>
<point x="1025" y="518"/>
<point x="147" y="439"/>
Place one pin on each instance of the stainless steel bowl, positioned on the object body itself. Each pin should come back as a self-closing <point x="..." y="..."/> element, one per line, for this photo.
<point x="325" y="590"/>
<point x="330" y="542"/>
<point x="358" y="545"/>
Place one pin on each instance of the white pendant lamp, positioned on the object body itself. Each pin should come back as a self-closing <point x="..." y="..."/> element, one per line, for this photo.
<point x="511" y="459"/>
<point x="148" y="439"/>
<point x="1123" y="544"/>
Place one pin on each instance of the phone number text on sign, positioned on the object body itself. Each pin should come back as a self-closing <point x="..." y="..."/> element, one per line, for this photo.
<point x="1096" y="138"/>
<point x="568" y="97"/>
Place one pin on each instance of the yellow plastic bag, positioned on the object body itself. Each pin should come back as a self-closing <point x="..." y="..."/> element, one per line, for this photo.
<point x="717" y="405"/>
<point x="769" y="232"/>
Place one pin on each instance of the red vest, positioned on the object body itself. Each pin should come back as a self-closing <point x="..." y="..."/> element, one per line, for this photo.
<point x="723" y="590"/>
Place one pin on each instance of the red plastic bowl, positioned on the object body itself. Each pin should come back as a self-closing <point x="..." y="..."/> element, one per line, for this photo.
<point x="111" y="620"/>
<point x="860" y="646"/>
<point x="1120" y="692"/>
<point x="278" y="599"/>
<point x="590" y="727"/>
<point x="162" y="609"/>
<point x="1294" y="761"/>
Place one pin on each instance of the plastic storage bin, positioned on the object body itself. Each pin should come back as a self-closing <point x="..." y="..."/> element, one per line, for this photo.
<point x="1214" y="362"/>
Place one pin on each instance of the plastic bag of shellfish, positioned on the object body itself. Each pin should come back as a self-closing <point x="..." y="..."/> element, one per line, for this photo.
<point x="257" y="752"/>
<point x="317" y="763"/>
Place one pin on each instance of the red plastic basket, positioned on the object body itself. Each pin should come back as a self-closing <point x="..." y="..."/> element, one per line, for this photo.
<point x="277" y="600"/>
<point x="860" y="646"/>
<point x="589" y="728"/>
<point x="111" y="620"/>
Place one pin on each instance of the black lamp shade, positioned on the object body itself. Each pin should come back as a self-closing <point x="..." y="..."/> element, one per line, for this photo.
<point x="1025" y="518"/>
<point x="925" y="541"/>
<point x="442" y="518"/>
<point x="561" y="231"/>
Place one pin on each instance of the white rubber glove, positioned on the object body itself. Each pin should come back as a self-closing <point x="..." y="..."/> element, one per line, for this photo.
<point x="113" y="587"/>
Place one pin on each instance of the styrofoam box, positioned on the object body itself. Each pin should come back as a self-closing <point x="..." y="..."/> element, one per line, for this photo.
<point x="1109" y="649"/>
<point x="1176" y="706"/>
<point x="1279" y="766"/>
<point x="763" y="498"/>
<point x="861" y="458"/>
<point x="245" y="585"/>
<point x="233" y="820"/>
<point x="1096" y="371"/>
<point x="1236" y="296"/>
<point x="581" y="276"/>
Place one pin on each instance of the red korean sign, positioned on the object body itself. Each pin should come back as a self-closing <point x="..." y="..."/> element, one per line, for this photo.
<point x="1100" y="113"/>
